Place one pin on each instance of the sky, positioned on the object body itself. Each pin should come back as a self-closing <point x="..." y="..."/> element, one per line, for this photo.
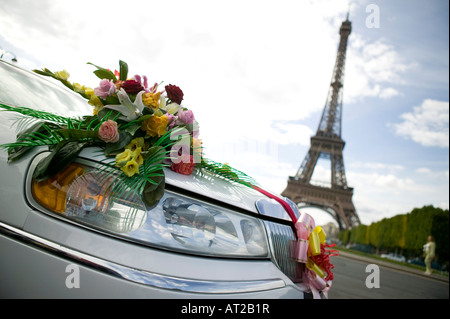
<point x="256" y="75"/>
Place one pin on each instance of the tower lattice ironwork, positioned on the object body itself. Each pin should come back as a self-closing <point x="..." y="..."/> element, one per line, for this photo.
<point x="328" y="144"/>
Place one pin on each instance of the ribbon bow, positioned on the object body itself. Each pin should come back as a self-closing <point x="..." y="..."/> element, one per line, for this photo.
<point x="310" y="250"/>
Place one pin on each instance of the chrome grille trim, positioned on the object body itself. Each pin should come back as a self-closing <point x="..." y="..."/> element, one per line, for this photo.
<point x="280" y="237"/>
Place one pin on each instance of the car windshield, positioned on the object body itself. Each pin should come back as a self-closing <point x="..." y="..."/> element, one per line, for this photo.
<point x="23" y="88"/>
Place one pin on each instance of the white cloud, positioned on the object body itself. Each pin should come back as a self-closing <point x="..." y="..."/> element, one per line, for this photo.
<point x="382" y="62"/>
<point x="379" y="182"/>
<point x="291" y="133"/>
<point x="423" y="170"/>
<point x="387" y="93"/>
<point x="382" y="190"/>
<point x="376" y="166"/>
<point x="372" y="69"/>
<point x="427" y="124"/>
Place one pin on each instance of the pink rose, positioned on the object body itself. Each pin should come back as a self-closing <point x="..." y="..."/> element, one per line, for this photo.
<point x="108" y="132"/>
<point x="105" y="89"/>
<point x="186" y="117"/>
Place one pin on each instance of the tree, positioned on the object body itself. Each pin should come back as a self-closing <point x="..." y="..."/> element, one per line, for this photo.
<point x="407" y="232"/>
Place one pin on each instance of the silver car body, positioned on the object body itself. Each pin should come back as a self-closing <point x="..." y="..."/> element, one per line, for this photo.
<point x="46" y="256"/>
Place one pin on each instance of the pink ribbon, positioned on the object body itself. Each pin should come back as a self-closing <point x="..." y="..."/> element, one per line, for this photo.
<point x="316" y="284"/>
<point x="314" y="265"/>
<point x="317" y="273"/>
<point x="303" y="227"/>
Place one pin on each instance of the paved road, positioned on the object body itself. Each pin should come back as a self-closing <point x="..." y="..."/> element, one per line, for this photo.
<point x="351" y="276"/>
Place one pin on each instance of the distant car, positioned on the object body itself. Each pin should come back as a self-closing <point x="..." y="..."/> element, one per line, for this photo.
<point x="434" y="264"/>
<point x="395" y="257"/>
<point x="417" y="261"/>
<point x="207" y="237"/>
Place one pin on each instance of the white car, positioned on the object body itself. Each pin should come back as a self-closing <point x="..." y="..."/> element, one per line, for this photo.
<point x="393" y="256"/>
<point x="207" y="237"/>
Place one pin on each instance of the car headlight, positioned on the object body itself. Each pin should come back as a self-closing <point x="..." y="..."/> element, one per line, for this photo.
<point x="81" y="194"/>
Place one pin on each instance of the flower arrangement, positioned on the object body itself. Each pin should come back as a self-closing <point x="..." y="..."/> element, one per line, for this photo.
<point x="140" y="128"/>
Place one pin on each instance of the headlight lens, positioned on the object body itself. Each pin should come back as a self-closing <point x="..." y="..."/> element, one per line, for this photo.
<point x="180" y="223"/>
<point x="89" y="200"/>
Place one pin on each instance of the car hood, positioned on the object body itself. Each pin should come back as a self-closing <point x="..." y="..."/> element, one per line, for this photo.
<point x="7" y="130"/>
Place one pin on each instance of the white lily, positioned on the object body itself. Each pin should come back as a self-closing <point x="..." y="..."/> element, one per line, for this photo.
<point x="128" y="109"/>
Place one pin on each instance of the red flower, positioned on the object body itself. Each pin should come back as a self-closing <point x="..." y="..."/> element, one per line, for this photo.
<point x="132" y="86"/>
<point x="174" y="93"/>
<point x="185" y="166"/>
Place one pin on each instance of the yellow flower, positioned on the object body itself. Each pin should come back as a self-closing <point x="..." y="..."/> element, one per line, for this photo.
<point x="124" y="157"/>
<point x="151" y="99"/>
<point x="77" y="87"/>
<point x="135" y="143"/>
<point x="88" y="91"/>
<point x="62" y="75"/>
<point x="129" y="161"/>
<point x="137" y="156"/>
<point x="155" y="125"/>
<point x="95" y="101"/>
<point x="131" y="168"/>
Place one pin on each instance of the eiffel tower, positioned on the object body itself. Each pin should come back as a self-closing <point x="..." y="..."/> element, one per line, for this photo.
<point x="328" y="144"/>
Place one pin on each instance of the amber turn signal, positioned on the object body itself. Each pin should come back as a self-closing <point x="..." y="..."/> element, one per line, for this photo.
<point x="52" y="192"/>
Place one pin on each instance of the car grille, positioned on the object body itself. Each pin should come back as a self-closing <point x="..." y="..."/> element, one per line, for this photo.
<point x="280" y="237"/>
